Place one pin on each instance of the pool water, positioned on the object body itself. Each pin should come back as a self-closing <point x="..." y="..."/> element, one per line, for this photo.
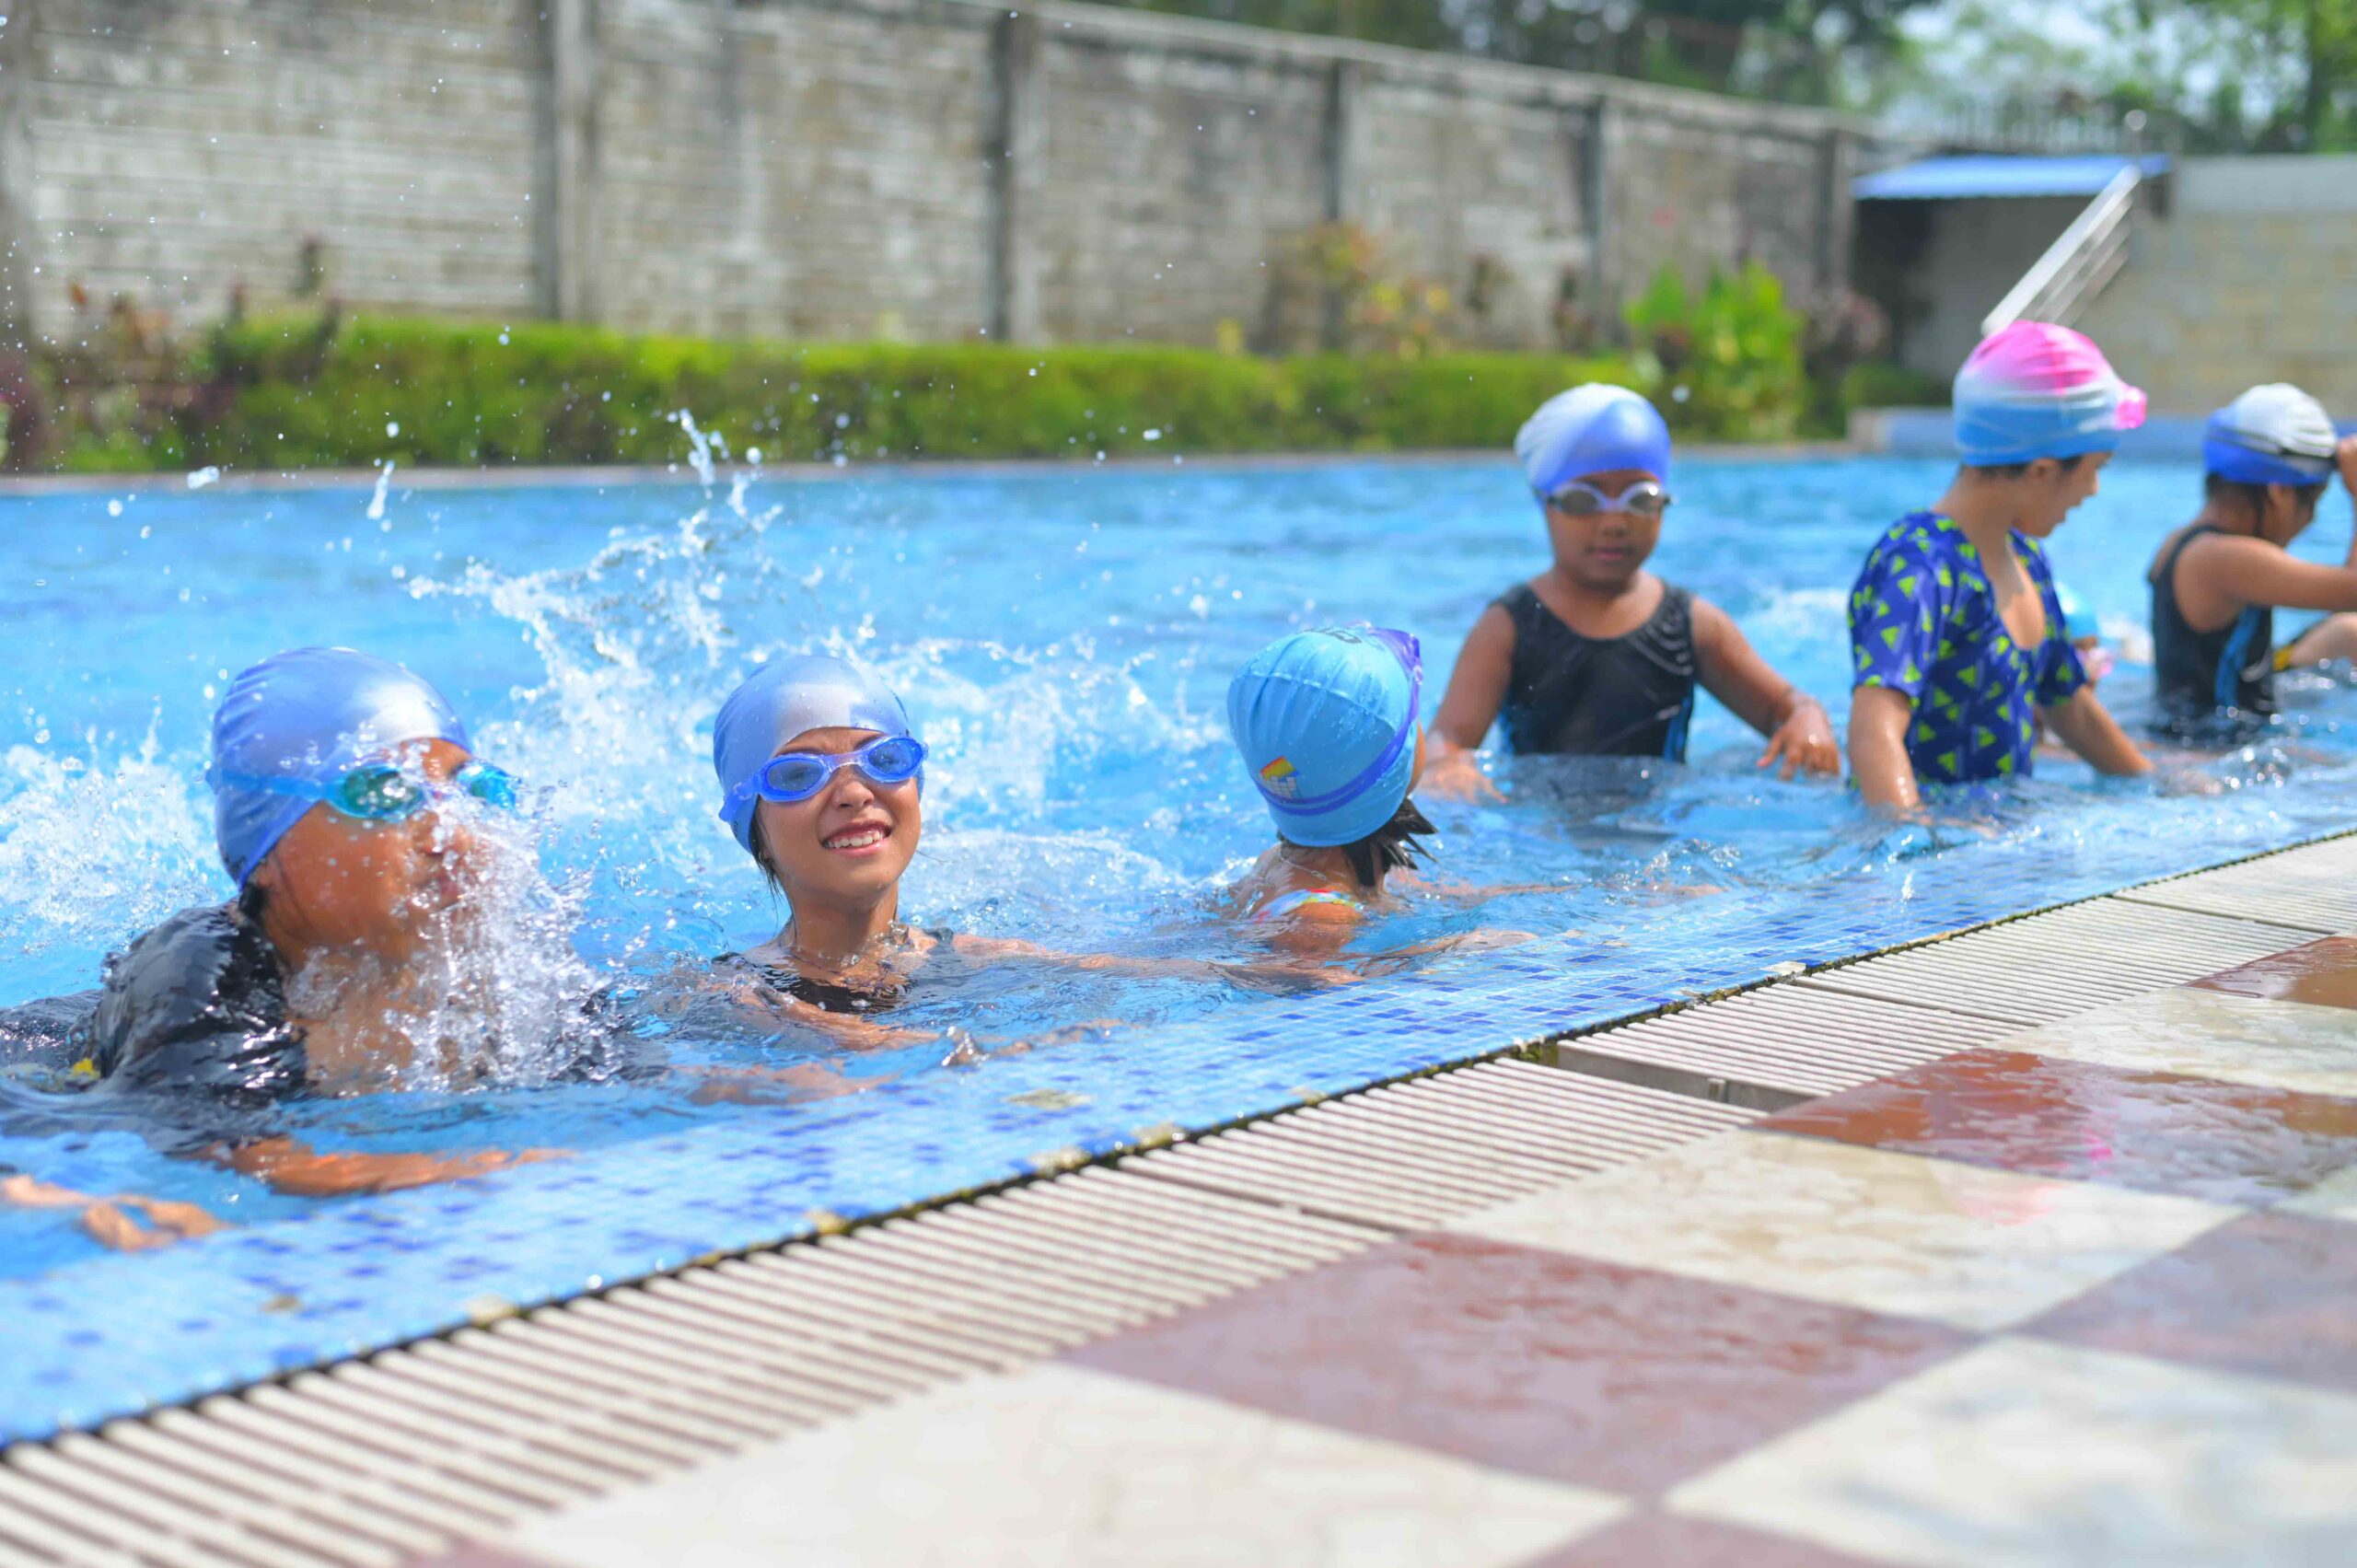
<point x="1063" y="640"/>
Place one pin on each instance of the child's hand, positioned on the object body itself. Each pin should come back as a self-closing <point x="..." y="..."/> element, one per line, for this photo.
<point x="1455" y="775"/>
<point x="1804" y="741"/>
<point x="2346" y="454"/>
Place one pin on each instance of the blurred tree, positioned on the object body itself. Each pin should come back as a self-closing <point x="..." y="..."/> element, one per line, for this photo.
<point x="1797" y="50"/>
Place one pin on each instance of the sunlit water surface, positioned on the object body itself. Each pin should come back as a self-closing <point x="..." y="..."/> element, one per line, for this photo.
<point x="1063" y="640"/>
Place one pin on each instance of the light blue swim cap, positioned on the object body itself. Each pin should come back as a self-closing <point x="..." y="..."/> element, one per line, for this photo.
<point x="785" y="698"/>
<point x="2272" y="434"/>
<point x="1592" y="428"/>
<point x="308" y="715"/>
<point x="1327" y="722"/>
<point x="2078" y="620"/>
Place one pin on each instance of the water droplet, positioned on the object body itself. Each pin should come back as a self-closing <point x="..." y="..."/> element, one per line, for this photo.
<point x="203" y="477"/>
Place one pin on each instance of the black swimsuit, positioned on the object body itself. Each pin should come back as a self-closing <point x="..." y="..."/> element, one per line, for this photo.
<point x="829" y="998"/>
<point x="2202" y="677"/>
<point x="1629" y="696"/>
<point x="197" y="1008"/>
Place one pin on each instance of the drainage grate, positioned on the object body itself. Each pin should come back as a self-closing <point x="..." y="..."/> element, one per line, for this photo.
<point x="1416" y="1153"/>
<point x="2313" y="889"/>
<point x="1775" y="1046"/>
<point x="379" y="1460"/>
<point x="2067" y="960"/>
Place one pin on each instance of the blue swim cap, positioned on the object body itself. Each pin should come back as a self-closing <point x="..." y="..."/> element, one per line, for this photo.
<point x="1591" y="429"/>
<point x="1326" y="721"/>
<point x="2272" y="434"/>
<point x="308" y="715"/>
<point x="785" y="698"/>
<point x="2078" y="620"/>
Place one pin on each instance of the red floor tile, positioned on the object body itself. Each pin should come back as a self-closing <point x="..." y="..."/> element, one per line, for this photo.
<point x="1529" y="1361"/>
<point x="1650" y="1539"/>
<point x="2323" y="973"/>
<point x="467" y="1554"/>
<point x="2047" y="1116"/>
<point x="2265" y="1294"/>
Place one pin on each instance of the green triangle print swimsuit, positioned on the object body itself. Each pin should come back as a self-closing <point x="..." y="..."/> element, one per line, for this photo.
<point x="1923" y="621"/>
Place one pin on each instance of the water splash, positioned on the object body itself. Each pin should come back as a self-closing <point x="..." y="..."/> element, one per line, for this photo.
<point x="383" y="483"/>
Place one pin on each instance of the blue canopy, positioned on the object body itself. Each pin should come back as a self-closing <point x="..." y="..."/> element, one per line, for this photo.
<point x="1990" y="174"/>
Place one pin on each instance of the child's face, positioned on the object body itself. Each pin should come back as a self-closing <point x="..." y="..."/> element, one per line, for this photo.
<point x="2290" y="510"/>
<point x="1604" y="548"/>
<point x="851" y="841"/>
<point x="2049" y="492"/>
<point x="349" y="882"/>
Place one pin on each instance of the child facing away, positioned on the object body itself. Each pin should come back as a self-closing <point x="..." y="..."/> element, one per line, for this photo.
<point x="1595" y="656"/>
<point x="2217" y="582"/>
<point x="1957" y="634"/>
<point x="1327" y="722"/>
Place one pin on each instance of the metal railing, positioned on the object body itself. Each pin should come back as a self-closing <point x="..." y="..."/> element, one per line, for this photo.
<point x="2061" y="284"/>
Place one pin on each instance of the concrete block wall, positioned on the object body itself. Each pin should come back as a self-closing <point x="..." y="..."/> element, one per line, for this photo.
<point x="170" y="149"/>
<point x="848" y="168"/>
<point x="2250" y="276"/>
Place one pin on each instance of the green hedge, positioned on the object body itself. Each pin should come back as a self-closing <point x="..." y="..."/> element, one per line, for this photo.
<point x="289" y="394"/>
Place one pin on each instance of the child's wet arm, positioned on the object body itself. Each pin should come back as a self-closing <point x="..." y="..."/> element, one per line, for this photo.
<point x="2087" y="726"/>
<point x="1477" y="687"/>
<point x="1732" y="672"/>
<point x="2252" y="572"/>
<point x="1878" y="759"/>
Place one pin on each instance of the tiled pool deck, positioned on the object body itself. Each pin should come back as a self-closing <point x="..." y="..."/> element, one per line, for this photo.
<point x="2036" y="1245"/>
<point x="2086" y="1293"/>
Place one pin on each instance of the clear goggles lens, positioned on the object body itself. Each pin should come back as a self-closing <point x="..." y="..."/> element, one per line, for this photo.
<point x="1578" y="498"/>
<point x="381" y="792"/>
<point x="798" y="775"/>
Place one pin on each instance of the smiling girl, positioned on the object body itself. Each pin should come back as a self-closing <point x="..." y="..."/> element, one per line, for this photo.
<point x="822" y="783"/>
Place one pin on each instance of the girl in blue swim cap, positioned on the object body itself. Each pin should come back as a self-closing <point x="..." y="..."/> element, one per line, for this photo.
<point x="821" y="779"/>
<point x="1595" y="656"/>
<point x="1327" y="722"/>
<point x="2269" y="457"/>
<point x="346" y="791"/>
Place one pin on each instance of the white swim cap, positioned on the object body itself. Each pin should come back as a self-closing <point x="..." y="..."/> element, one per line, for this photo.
<point x="2273" y="434"/>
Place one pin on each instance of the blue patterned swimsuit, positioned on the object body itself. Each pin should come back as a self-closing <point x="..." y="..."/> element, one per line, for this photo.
<point x="1923" y="621"/>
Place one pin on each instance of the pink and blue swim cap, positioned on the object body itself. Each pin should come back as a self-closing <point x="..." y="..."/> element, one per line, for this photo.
<point x="1592" y="428"/>
<point x="1327" y="722"/>
<point x="785" y="698"/>
<point x="2274" y="434"/>
<point x="308" y="716"/>
<point x="2037" y="391"/>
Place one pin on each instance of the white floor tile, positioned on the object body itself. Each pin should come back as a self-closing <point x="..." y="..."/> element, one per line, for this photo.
<point x="1056" y="1465"/>
<point x="2028" y="1454"/>
<point x="1864" y="1227"/>
<point x="2212" y="1034"/>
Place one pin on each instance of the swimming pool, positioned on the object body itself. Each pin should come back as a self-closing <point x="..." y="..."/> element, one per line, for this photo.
<point x="1063" y="638"/>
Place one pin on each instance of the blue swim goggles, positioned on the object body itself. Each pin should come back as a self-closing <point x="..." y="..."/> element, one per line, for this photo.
<point x="1411" y="655"/>
<point x="797" y="775"/>
<point x="383" y="792"/>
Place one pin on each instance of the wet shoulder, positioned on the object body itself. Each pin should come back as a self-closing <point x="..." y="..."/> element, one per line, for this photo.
<point x="197" y="1002"/>
<point x="1920" y="559"/>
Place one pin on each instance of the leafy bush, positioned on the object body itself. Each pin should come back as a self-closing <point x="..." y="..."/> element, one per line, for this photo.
<point x="1729" y="363"/>
<point x="322" y="391"/>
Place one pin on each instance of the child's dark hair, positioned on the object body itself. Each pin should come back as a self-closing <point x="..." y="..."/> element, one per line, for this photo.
<point x="1395" y="846"/>
<point x="2252" y="498"/>
<point x="761" y="858"/>
<point x="2016" y="470"/>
